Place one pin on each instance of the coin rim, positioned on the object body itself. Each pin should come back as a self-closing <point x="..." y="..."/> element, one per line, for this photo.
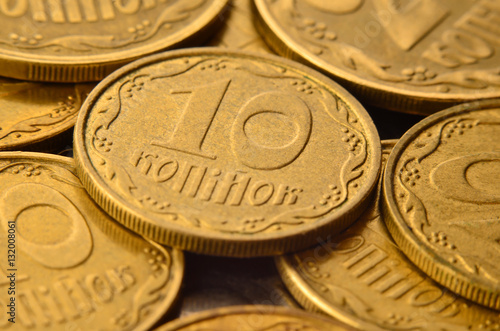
<point x="71" y="68"/>
<point x="369" y="91"/>
<point x="436" y="267"/>
<point x="225" y="244"/>
<point x="177" y="269"/>
<point x="248" y="309"/>
<point x="307" y="296"/>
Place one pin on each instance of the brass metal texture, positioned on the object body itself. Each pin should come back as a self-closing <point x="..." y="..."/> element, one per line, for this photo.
<point x="74" y="268"/>
<point x="34" y="113"/>
<point x="442" y="199"/>
<point x="363" y="279"/>
<point x="226" y="153"/>
<point x="86" y="40"/>
<point x="410" y="56"/>
<point x="254" y="318"/>
<point x="239" y="30"/>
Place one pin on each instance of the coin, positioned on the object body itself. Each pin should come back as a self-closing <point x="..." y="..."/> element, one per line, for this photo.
<point x="254" y="318"/>
<point x="80" y="40"/>
<point x="239" y="31"/>
<point x="408" y="56"/>
<point x="363" y="279"/>
<point x="226" y="153"/>
<point x="36" y="114"/>
<point x="70" y="266"/>
<point x="442" y="199"/>
<point x="213" y="282"/>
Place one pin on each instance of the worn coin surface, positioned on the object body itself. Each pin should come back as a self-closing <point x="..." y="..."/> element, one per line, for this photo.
<point x="442" y="199"/>
<point x="254" y="318"/>
<point x="363" y="279"/>
<point x="226" y="153"/>
<point x="71" y="267"/>
<point x="239" y="30"/>
<point x="415" y="56"/>
<point x="85" y="40"/>
<point x="33" y="113"/>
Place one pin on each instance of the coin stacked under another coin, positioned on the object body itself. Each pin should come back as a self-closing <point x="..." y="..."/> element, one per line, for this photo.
<point x="235" y="189"/>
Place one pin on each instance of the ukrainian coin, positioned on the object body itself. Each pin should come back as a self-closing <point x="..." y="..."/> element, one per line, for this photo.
<point x="226" y="153"/>
<point x="69" y="266"/>
<point x="37" y="114"/>
<point x="213" y="282"/>
<point x="442" y="199"/>
<point x="254" y="318"/>
<point x="239" y="29"/>
<point x="85" y="40"/>
<point x="362" y="278"/>
<point x="415" y="56"/>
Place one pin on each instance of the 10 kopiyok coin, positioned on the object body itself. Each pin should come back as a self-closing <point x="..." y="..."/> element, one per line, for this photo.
<point x="226" y="153"/>
<point x="442" y="199"/>
<point x="85" y="40"/>
<point x="362" y="278"/>
<point x="70" y="267"/>
<point x="412" y="56"/>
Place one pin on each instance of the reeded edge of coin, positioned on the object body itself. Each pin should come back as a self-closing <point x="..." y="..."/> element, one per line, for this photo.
<point x="367" y="91"/>
<point x="306" y="296"/>
<point x="175" y="281"/>
<point x="225" y="244"/>
<point x="422" y="256"/>
<point x="73" y="69"/>
<point x="235" y="310"/>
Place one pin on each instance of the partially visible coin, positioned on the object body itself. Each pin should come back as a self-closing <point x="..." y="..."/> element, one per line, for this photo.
<point x="442" y="199"/>
<point x="83" y="40"/>
<point x="254" y="318"/>
<point x="37" y="113"/>
<point x="239" y="30"/>
<point x="227" y="153"/>
<point x="362" y="278"/>
<point x="412" y="56"/>
<point x="74" y="268"/>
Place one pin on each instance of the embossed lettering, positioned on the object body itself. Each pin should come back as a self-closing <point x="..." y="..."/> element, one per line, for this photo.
<point x="73" y="11"/>
<point x="471" y="39"/>
<point x="230" y="188"/>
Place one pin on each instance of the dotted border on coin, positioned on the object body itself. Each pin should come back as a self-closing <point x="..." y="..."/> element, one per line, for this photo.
<point x="223" y="245"/>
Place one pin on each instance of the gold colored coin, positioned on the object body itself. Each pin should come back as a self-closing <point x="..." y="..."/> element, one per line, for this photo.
<point x="442" y="199"/>
<point x="37" y="114"/>
<point x="254" y="318"/>
<point x="85" y="40"/>
<point x="239" y="30"/>
<point x="67" y="265"/>
<point x="362" y="278"/>
<point x="413" y="56"/>
<point x="226" y="153"/>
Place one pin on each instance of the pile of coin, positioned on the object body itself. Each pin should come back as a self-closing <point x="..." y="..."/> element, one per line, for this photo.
<point x="242" y="184"/>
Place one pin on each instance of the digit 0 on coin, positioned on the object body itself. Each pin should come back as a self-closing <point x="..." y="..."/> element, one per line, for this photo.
<point x="85" y="40"/>
<point x="442" y="199"/>
<point x="226" y="153"/>
<point x="362" y="278"/>
<point x="412" y="56"/>
<point x="76" y="268"/>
